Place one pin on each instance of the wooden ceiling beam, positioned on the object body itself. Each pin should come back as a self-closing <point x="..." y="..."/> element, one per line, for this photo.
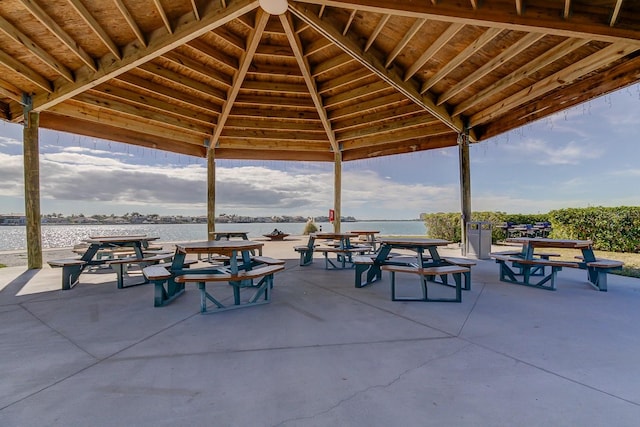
<point x="521" y="73"/>
<point x="295" y="114"/>
<point x="363" y="108"/>
<point x="186" y="30"/>
<point x="499" y="15"/>
<point x="349" y="21"/>
<point x="253" y="133"/>
<point x="245" y="61"/>
<point x="95" y="129"/>
<point x="386" y="127"/>
<point x="91" y="114"/>
<point x="332" y="64"/>
<point x="55" y="29"/>
<point x="196" y="12"/>
<point x="373" y="119"/>
<point x="131" y="22"/>
<point x="163" y="15"/>
<point x="616" y="13"/>
<point x="351" y="96"/>
<point x="213" y="53"/>
<point x="261" y="144"/>
<point x="305" y="68"/>
<point x="496" y="62"/>
<point x="10" y="91"/>
<point x="417" y="144"/>
<point x="520" y="7"/>
<point x="440" y="42"/>
<point x="402" y="43"/>
<point x="20" y="38"/>
<point x="95" y="27"/>
<point x="18" y="67"/>
<point x="146" y="101"/>
<point x="623" y="74"/>
<point x="271" y="87"/>
<point x="269" y="101"/>
<point x="374" y="64"/>
<point x="398" y="136"/>
<point x="344" y="80"/>
<point x="299" y="155"/>
<point x="199" y="68"/>
<point x="566" y="13"/>
<point x="376" y="32"/>
<point x="561" y="78"/>
<point x="473" y="48"/>
<point x="153" y="117"/>
<point x="269" y="123"/>
<point x="182" y="80"/>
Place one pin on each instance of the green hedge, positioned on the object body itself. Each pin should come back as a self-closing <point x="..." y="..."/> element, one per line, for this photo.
<point x="614" y="229"/>
<point x="611" y="229"/>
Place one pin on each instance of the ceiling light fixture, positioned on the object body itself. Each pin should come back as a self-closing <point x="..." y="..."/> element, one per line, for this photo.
<point x="274" y="7"/>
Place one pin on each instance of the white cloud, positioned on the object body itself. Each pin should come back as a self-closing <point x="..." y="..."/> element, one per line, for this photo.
<point x="6" y="142"/>
<point x="542" y="152"/>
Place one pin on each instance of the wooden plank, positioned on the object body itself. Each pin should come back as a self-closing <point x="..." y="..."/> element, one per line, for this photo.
<point x="95" y="27"/>
<point x="402" y="43"/>
<point x="440" y="42"/>
<point x="10" y="63"/>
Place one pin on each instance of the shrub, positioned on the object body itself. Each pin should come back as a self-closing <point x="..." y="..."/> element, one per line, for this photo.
<point x="309" y="228"/>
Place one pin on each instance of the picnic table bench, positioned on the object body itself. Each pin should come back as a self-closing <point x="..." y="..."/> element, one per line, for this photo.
<point x="120" y="265"/>
<point x="426" y="274"/>
<point x="520" y="267"/>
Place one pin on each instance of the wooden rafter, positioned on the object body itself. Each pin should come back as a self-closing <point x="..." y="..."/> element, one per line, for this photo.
<point x="163" y="16"/>
<point x="130" y="22"/>
<point x="10" y="92"/>
<point x="442" y="40"/>
<point x="18" y="37"/>
<point x="303" y="64"/>
<point x="417" y="24"/>
<point x="372" y="63"/>
<point x="196" y="13"/>
<point x="372" y="37"/>
<point x="523" y="72"/>
<point x="60" y="34"/>
<point x="349" y="21"/>
<point x="95" y="27"/>
<point x="566" y="13"/>
<point x="616" y="13"/>
<point x="520" y="7"/>
<point x="474" y="47"/>
<point x="494" y="63"/>
<point x="585" y="66"/>
<point x="500" y="15"/>
<point x="16" y="66"/>
<point x="252" y="45"/>
<point x="189" y="29"/>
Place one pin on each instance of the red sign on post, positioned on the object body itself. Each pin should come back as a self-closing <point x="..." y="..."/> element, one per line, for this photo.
<point x="332" y="215"/>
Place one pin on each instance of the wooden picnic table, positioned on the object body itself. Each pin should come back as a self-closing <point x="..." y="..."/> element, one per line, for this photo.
<point x="242" y="270"/>
<point x="341" y="246"/>
<point x="71" y="269"/>
<point x="228" y="235"/>
<point x="370" y="237"/>
<point x="521" y="267"/>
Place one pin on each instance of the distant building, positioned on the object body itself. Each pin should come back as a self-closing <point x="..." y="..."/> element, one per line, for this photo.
<point x="13" y="219"/>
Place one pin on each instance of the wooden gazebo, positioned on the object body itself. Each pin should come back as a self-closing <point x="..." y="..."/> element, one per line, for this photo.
<point x="316" y="80"/>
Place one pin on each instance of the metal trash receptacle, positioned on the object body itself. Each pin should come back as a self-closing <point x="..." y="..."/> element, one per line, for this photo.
<point x="479" y="239"/>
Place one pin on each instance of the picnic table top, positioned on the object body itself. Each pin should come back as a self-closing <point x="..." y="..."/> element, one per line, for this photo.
<point x="541" y="242"/>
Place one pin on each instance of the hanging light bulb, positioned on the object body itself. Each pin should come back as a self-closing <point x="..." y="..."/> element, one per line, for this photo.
<point x="274" y="7"/>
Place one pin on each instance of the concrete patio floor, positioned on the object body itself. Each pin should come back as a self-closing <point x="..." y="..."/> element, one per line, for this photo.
<point x="322" y="353"/>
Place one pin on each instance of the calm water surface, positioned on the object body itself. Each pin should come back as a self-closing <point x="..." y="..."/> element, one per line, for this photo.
<point x="63" y="236"/>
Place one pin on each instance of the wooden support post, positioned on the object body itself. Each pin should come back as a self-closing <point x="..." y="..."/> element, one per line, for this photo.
<point x="465" y="188"/>
<point x="337" y="191"/>
<point x="211" y="193"/>
<point x="32" y="189"/>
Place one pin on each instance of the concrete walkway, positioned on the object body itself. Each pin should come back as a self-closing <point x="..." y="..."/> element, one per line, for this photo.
<point x="322" y="353"/>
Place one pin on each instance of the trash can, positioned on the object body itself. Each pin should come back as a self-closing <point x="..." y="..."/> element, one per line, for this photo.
<point x="479" y="240"/>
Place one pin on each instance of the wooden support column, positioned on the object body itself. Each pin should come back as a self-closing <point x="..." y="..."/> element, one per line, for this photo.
<point x="211" y="193"/>
<point x="337" y="191"/>
<point x="32" y="188"/>
<point x="465" y="188"/>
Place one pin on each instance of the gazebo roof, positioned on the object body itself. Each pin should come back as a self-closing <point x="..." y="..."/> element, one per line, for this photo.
<point x="364" y="77"/>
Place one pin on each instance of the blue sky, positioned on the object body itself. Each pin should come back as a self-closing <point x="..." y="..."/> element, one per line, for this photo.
<point x="585" y="156"/>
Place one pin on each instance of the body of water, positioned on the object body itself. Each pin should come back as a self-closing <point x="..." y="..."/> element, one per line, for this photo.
<point x="62" y="236"/>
